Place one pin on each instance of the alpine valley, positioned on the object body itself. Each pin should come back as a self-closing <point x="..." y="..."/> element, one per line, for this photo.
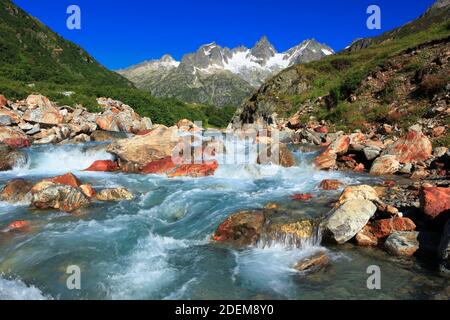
<point x="311" y="173"/>
<point x="220" y="76"/>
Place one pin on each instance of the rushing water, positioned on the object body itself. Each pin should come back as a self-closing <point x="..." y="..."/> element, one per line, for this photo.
<point x="157" y="246"/>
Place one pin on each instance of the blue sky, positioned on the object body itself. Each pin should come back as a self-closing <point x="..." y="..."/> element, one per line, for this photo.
<point x="120" y="33"/>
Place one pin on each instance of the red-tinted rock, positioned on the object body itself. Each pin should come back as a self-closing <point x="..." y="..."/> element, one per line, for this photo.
<point x="242" y="229"/>
<point x="365" y="238"/>
<point x="330" y="184"/>
<point x="328" y="158"/>
<point x="195" y="170"/>
<point x="321" y="129"/>
<point x="18" y="225"/>
<point x="415" y="146"/>
<point x="381" y="229"/>
<point x="3" y="101"/>
<point x="68" y="179"/>
<point x="159" y="166"/>
<point x="302" y="196"/>
<point x="88" y="190"/>
<point x="17" y="143"/>
<point x="434" y="200"/>
<point x="384" y="227"/>
<point x="103" y="166"/>
<point x="13" y="137"/>
<point x="143" y="132"/>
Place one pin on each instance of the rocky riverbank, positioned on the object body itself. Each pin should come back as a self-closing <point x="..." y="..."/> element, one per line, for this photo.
<point x="407" y="215"/>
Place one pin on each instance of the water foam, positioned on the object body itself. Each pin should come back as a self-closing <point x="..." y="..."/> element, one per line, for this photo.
<point x="57" y="159"/>
<point x="18" y="290"/>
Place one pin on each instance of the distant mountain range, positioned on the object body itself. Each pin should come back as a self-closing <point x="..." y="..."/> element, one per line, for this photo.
<point x="220" y="76"/>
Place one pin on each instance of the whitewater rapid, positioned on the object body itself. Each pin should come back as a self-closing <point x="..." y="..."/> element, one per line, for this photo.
<point x="158" y="245"/>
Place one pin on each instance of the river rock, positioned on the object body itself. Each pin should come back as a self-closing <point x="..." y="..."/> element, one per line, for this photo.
<point x="284" y="156"/>
<point x="330" y="184"/>
<point x="385" y="165"/>
<point x="345" y="221"/>
<point x="371" y="153"/>
<point x="415" y="146"/>
<point x="365" y="238"/>
<point x="13" y="137"/>
<point x="313" y="263"/>
<point x="9" y="158"/>
<point x="88" y="190"/>
<point x="103" y="166"/>
<point x="241" y="229"/>
<point x="291" y="234"/>
<point x="114" y="194"/>
<point x="160" y="166"/>
<point x="141" y="150"/>
<point x="363" y="192"/>
<point x="402" y="243"/>
<point x="302" y="196"/>
<point x="381" y="229"/>
<point x="67" y="179"/>
<point x="8" y="117"/>
<point x="100" y="135"/>
<point x="434" y="200"/>
<point x="50" y="195"/>
<point x="194" y="170"/>
<point x="41" y="110"/>
<point x="327" y="159"/>
<point x="16" y="191"/>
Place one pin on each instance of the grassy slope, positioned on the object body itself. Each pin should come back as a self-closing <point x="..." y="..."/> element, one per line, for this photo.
<point x="34" y="59"/>
<point x="340" y="75"/>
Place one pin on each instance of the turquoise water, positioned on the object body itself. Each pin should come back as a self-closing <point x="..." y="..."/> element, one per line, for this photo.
<point x="157" y="246"/>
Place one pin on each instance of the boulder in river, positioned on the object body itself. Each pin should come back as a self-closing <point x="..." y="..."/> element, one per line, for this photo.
<point x="313" y="263"/>
<point x="402" y="243"/>
<point x="434" y="200"/>
<point x="114" y="194"/>
<point x="68" y="179"/>
<point x="9" y="158"/>
<point x="380" y="229"/>
<point x="194" y="170"/>
<point x="66" y="198"/>
<point x="103" y="166"/>
<point x="330" y="184"/>
<point x="88" y="190"/>
<point x="345" y="221"/>
<point x="276" y="153"/>
<point x="16" y="191"/>
<point x="141" y="150"/>
<point x="241" y="229"/>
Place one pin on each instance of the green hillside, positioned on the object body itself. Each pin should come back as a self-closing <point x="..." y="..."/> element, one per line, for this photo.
<point x="34" y="59"/>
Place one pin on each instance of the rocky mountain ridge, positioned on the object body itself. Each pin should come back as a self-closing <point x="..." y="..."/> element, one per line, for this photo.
<point x="218" y="75"/>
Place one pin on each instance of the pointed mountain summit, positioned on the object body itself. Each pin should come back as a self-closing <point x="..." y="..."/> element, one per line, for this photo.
<point x="263" y="50"/>
<point x="219" y="75"/>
